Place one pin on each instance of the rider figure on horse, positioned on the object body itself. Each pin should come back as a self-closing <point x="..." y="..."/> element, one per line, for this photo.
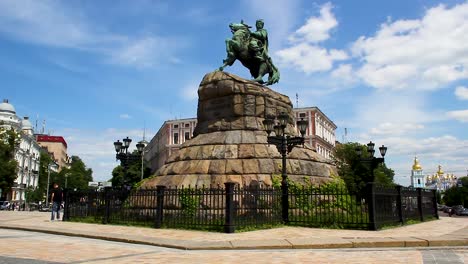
<point x="259" y="42"/>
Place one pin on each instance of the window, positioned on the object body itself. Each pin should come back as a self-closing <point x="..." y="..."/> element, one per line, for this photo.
<point x="187" y="125"/>
<point x="302" y="115"/>
<point x="176" y="126"/>
<point x="419" y="181"/>
<point x="187" y="135"/>
<point x="176" y="138"/>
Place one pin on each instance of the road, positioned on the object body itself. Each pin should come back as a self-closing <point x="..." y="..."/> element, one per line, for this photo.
<point x="30" y="247"/>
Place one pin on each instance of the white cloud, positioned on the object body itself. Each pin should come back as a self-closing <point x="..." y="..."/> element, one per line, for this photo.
<point x="460" y="115"/>
<point x="345" y="73"/>
<point x="305" y="54"/>
<point x="144" y="52"/>
<point x="125" y="116"/>
<point x="447" y="147"/>
<point x="389" y="128"/>
<point x="309" y="58"/>
<point x="316" y="29"/>
<point x="461" y="92"/>
<point x="426" y="53"/>
<point x="51" y="23"/>
<point x="190" y="92"/>
<point x="391" y="76"/>
<point x="42" y="22"/>
<point x="377" y="110"/>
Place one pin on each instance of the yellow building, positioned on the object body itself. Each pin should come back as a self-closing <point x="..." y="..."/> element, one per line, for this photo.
<point x="56" y="145"/>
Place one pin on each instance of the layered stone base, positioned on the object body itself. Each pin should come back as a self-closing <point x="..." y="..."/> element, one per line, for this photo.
<point x="231" y="144"/>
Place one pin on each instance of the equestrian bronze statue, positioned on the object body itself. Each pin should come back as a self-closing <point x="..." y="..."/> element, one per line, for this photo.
<point x="251" y="49"/>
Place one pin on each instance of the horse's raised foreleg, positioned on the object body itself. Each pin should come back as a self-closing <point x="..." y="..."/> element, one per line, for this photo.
<point x="230" y="58"/>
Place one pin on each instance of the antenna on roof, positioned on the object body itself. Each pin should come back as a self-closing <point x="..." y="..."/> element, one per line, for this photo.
<point x="345" y="137"/>
<point x="43" y="126"/>
<point x="37" y="117"/>
<point x="297" y="100"/>
<point x="144" y="130"/>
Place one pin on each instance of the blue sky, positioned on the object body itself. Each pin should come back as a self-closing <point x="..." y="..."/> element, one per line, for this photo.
<point x="394" y="72"/>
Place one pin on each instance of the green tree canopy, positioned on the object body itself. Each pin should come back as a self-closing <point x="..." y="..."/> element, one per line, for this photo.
<point x="9" y="139"/>
<point x="131" y="176"/>
<point x="75" y="177"/>
<point x="464" y="181"/>
<point x="456" y="196"/>
<point x="39" y="194"/>
<point x="355" y="173"/>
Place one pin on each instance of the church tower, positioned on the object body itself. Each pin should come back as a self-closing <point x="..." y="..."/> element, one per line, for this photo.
<point x="417" y="175"/>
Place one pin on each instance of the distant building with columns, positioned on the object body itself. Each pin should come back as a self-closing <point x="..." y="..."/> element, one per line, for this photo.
<point x="167" y="141"/>
<point x="439" y="181"/>
<point x="320" y="135"/>
<point x="321" y="131"/>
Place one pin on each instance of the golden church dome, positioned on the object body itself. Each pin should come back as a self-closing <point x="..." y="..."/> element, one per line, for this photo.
<point x="440" y="171"/>
<point x="416" y="165"/>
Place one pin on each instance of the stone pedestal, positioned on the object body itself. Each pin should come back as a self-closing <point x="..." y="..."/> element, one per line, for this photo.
<point x="230" y="143"/>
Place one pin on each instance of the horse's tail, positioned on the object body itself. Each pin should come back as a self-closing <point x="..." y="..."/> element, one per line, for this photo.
<point x="273" y="74"/>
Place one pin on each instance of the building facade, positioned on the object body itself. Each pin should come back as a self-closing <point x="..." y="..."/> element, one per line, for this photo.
<point x="167" y="141"/>
<point x="27" y="154"/>
<point x="57" y="146"/>
<point x="320" y="135"/>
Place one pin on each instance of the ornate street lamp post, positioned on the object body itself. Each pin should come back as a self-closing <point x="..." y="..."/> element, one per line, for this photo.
<point x="372" y="161"/>
<point x="143" y="143"/>
<point x="285" y="144"/>
<point x="127" y="158"/>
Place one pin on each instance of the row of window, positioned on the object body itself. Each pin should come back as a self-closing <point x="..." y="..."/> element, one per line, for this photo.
<point x="177" y="126"/>
<point x="176" y="137"/>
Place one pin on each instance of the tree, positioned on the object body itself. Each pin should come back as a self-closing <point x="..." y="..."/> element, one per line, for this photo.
<point x="356" y="174"/>
<point x="76" y="177"/>
<point x="383" y="174"/>
<point x="457" y="195"/>
<point x="40" y="192"/>
<point x="34" y="195"/>
<point x="9" y="139"/>
<point x="131" y="176"/>
<point x="464" y="181"/>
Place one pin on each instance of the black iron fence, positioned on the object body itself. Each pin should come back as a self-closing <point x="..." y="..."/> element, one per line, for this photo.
<point x="229" y="208"/>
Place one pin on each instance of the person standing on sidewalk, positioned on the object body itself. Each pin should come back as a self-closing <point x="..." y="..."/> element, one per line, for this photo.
<point x="57" y="198"/>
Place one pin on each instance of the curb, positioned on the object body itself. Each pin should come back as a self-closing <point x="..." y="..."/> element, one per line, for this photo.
<point x="299" y="243"/>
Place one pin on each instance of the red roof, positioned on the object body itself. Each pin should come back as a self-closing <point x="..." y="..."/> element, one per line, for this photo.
<point x="46" y="138"/>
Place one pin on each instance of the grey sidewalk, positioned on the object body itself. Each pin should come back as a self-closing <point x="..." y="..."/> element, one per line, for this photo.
<point x="448" y="231"/>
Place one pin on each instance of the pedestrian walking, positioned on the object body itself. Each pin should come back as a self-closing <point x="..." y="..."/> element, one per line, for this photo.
<point x="57" y="198"/>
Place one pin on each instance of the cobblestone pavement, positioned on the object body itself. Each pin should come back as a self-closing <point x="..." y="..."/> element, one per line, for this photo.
<point x="446" y="226"/>
<point x="31" y="247"/>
